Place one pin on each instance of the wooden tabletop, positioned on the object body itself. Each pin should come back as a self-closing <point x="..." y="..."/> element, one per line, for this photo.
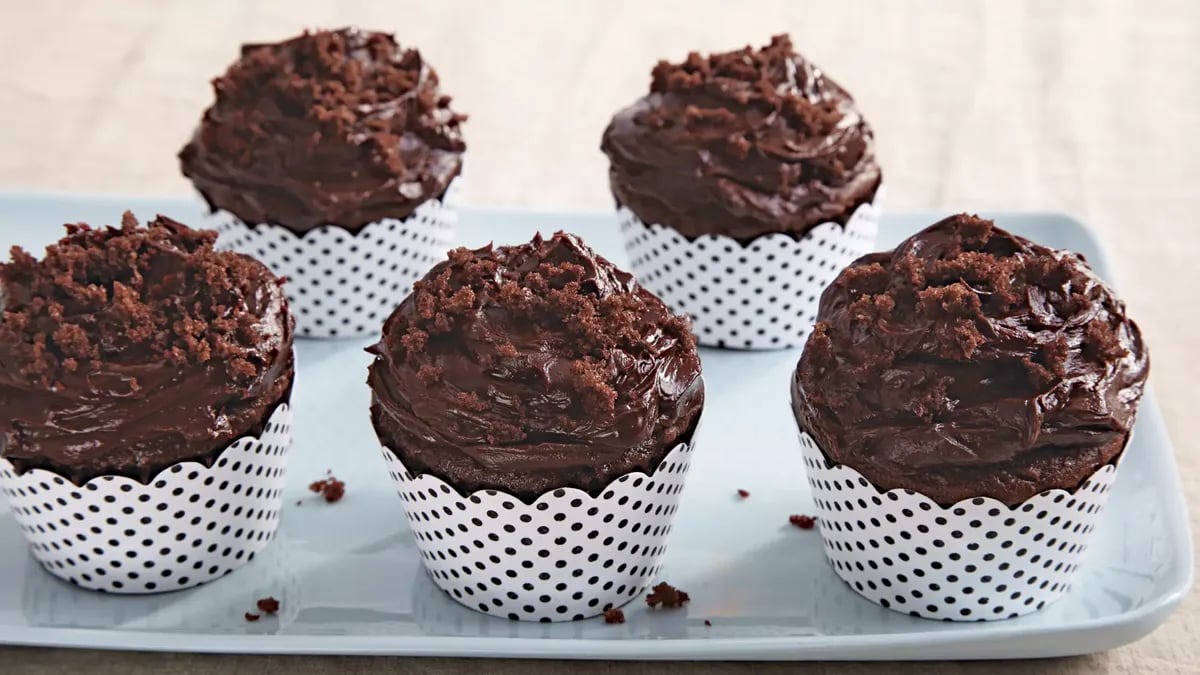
<point x="1092" y="108"/>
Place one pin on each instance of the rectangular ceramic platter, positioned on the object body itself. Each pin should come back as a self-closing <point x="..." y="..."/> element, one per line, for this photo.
<point x="350" y="579"/>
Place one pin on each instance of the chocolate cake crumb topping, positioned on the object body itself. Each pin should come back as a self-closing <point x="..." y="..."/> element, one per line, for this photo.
<point x="331" y="489"/>
<point x="331" y="127"/>
<point x="802" y="522"/>
<point x="127" y="349"/>
<point x="614" y="616"/>
<point x="773" y="86"/>
<point x="667" y="596"/>
<point x="133" y="295"/>
<point x="589" y="305"/>
<point x="533" y="367"/>
<point x="268" y="605"/>
<point x="970" y="362"/>
<point x="742" y="144"/>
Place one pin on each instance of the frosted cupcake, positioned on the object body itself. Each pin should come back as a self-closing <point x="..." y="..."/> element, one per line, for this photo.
<point x="537" y="409"/>
<point x="332" y="157"/>
<point x="965" y="401"/>
<point x="144" y="387"/>
<point x="744" y="181"/>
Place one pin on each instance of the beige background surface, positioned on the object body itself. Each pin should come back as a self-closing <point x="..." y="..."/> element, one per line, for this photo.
<point x="1092" y="108"/>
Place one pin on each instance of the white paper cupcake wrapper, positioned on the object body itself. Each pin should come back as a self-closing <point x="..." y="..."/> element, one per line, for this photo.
<point x="567" y="556"/>
<point x="343" y="284"/>
<point x="760" y="295"/>
<point x="217" y="606"/>
<point x="189" y="525"/>
<point x="978" y="560"/>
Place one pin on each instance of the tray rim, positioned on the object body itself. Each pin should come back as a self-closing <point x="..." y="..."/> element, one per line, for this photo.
<point x="989" y="641"/>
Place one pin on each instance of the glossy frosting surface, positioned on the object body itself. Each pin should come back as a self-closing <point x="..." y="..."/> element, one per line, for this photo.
<point x="742" y="144"/>
<point x="971" y="362"/>
<point x="334" y="127"/>
<point x="533" y="367"/>
<point x="125" y="350"/>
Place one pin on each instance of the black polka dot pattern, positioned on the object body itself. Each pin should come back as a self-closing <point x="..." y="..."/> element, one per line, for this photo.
<point x="566" y="557"/>
<point x="342" y="284"/>
<point x="979" y="560"/>
<point x="763" y="295"/>
<point x="189" y="525"/>
<point x="272" y="573"/>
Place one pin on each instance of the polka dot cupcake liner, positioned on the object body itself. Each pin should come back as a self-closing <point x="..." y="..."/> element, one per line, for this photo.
<point x="188" y="525"/>
<point x="45" y="602"/>
<point x="757" y="295"/>
<point x="565" y="557"/>
<point x="343" y="284"/>
<point x="978" y="560"/>
<point x="434" y="614"/>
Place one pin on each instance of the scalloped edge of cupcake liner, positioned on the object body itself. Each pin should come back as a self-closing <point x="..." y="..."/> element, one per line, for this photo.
<point x="189" y="525"/>
<point x="976" y="560"/>
<point x="343" y="284"/>
<point x="566" y="556"/>
<point x="760" y="294"/>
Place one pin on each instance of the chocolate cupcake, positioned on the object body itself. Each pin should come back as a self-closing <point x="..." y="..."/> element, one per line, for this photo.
<point x="541" y="401"/>
<point x="333" y="157"/>
<point x="990" y="381"/>
<point x="744" y="181"/>
<point x="138" y="366"/>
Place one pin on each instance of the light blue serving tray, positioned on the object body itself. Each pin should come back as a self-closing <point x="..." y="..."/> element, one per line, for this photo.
<point x="349" y="576"/>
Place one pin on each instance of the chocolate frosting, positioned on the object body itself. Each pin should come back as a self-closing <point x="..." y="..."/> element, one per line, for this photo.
<point x="742" y="144"/>
<point x="534" y="367"/>
<point x="127" y="350"/>
<point x="970" y="362"/>
<point x="334" y="127"/>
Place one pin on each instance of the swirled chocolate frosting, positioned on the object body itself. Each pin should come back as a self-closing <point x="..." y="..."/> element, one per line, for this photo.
<point x="970" y="362"/>
<point x="534" y="367"/>
<point x="334" y="127"/>
<point x="126" y="350"/>
<point x="742" y="144"/>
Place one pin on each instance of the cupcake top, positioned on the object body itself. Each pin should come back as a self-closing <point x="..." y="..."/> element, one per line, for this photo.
<point x="329" y="128"/>
<point x="125" y="350"/>
<point x="970" y="362"/>
<point x="742" y="144"/>
<point x="533" y="367"/>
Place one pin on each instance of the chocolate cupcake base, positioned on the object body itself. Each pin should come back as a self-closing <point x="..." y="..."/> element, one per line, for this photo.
<point x="190" y="524"/>
<point x="567" y="556"/>
<point x="977" y="560"/>
<point x="760" y="294"/>
<point x="341" y="283"/>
